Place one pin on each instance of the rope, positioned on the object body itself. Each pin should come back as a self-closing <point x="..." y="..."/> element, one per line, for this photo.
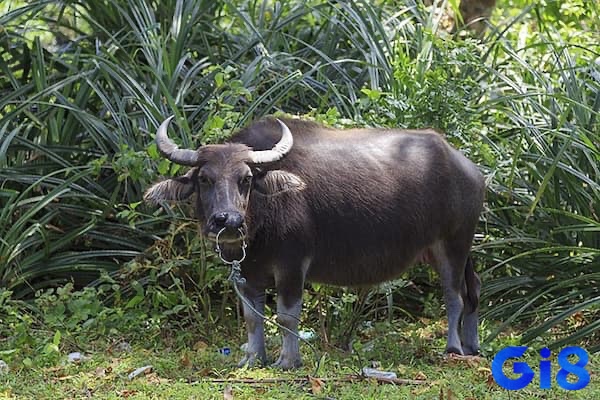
<point x="236" y="278"/>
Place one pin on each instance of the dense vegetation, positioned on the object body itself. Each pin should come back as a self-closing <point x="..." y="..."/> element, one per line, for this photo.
<point x="84" y="84"/>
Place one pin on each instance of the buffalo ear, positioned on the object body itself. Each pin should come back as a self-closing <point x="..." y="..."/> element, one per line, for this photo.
<point x="278" y="181"/>
<point x="175" y="189"/>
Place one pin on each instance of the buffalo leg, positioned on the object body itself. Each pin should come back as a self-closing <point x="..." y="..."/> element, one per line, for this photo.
<point x="450" y="265"/>
<point x="289" y="305"/>
<point x="470" y="336"/>
<point x="454" y="308"/>
<point x="254" y="326"/>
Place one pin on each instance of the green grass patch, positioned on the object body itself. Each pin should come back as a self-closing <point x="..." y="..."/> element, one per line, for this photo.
<point x="187" y="368"/>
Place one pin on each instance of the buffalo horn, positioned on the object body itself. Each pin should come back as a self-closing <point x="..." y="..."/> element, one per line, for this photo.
<point x="278" y="151"/>
<point x="170" y="150"/>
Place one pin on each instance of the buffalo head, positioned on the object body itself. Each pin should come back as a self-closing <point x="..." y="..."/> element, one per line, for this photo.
<point x="222" y="178"/>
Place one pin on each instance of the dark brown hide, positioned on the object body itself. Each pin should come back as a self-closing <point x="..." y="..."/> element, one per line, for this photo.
<point x="392" y="191"/>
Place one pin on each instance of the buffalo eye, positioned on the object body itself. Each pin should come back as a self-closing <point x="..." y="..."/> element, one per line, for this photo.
<point x="259" y="173"/>
<point x="205" y="180"/>
<point x="246" y="181"/>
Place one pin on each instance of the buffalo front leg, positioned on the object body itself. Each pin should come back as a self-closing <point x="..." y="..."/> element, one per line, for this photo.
<point x="289" y="305"/>
<point x="253" y="304"/>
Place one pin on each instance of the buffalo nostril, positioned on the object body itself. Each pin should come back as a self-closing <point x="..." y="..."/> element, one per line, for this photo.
<point x="221" y="218"/>
<point x="234" y="221"/>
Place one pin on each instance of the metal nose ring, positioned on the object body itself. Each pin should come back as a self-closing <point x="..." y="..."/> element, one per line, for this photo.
<point x="218" y="248"/>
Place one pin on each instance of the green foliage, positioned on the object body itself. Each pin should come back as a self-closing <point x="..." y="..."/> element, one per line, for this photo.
<point x="85" y="84"/>
<point x="543" y="211"/>
<point x="142" y="301"/>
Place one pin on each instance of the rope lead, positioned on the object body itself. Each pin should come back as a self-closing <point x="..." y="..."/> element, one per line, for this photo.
<point x="236" y="278"/>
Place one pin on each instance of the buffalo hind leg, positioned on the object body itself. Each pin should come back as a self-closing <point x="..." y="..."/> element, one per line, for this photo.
<point x="470" y="337"/>
<point x="450" y="265"/>
<point x="255" y="351"/>
<point x="289" y="304"/>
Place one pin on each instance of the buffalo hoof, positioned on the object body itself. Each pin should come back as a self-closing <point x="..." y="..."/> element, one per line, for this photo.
<point x="469" y="351"/>
<point x="454" y="350"/>
<point x="286" y="363"/>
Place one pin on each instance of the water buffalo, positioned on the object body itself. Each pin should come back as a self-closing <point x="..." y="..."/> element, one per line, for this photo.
<point x="344" y="207"/>
<point x="475" y="15"/>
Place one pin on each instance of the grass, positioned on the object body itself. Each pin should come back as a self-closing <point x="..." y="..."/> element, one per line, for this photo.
<point x="184" y="371"/>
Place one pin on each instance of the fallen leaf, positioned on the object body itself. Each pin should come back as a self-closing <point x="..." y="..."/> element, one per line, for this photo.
<point x="449" y="394"/>
<point x="228" y="393"/>
<point x="420" y="376"/>
<point x="316" y="385"/>
<point x="200" y="345"/>
<point x="127" y="393"/>
<point x="154" y="379"/>
<point x="490" y="380"/>
<point x="185" y="360"/>
<point x="100" y="372"/>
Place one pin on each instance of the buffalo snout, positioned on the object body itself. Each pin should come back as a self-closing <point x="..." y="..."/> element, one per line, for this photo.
<point x="227" y="219"/>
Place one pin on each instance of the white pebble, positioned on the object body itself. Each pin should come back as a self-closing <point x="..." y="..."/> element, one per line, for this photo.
<point x="4" y="369"/>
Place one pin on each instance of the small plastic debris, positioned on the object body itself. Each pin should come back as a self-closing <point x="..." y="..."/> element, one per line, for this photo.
<point x="139" y="371"/>
<point x="76" y="357"/>
<point x="4" y="369"/>
<point x="376" y="373"/>
<point x="306" y="335"/>
<point x="225" y="351"/>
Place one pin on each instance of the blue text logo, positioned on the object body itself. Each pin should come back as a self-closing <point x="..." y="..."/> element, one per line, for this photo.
<point x="580" y="376"/>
